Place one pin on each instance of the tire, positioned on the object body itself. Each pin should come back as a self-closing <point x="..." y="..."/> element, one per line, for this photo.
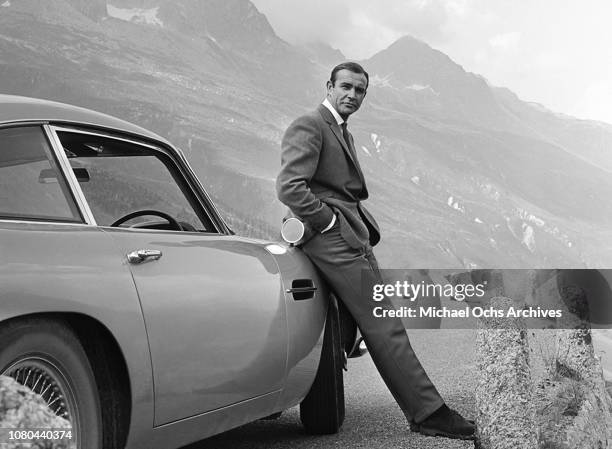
<point x="51" y="353"/>
<point x="322" y="410"/>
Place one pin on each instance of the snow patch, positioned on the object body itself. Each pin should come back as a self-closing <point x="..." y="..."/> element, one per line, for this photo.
<point x="528" y="237"/>
<point x="376" y="141"/>
<point x="454" y="204"/>
<point x="6" y="4"/>
<point x="478" y="220"/>
<point x="489" y="190"/>
<point x="366" y="150"/>
<point x="554" y="231"/>
<point x="416" y="180"/>
<point x="457" y="207"/>
<point x="420" y="87"/>
<point x="135" y="15"/>
<point x="380" y="81"/>
<point x="531" y="218"/>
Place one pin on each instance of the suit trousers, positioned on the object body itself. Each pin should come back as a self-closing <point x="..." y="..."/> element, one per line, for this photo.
<point x="343" y="266"/>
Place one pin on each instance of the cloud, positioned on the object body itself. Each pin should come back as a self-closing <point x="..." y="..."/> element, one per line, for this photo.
<point x="595" y="102"/>
<point x="563" y="45"/>
<point x="361" y="27"/>
<point x="506" y="41"/>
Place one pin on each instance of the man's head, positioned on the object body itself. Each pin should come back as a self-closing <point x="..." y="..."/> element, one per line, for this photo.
<point x="347" y="88"/>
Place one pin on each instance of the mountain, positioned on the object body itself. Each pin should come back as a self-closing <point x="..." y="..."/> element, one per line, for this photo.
<point x="322" y="53"/>
<point x="589" y="140"/>
<point x="410" y="69"/>
<point x="501" y="169"/>
<point x="231" y="21"/>
<point x="461" y="173"/>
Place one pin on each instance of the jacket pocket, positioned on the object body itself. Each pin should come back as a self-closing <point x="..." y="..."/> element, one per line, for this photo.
<point x="344" y="228"/>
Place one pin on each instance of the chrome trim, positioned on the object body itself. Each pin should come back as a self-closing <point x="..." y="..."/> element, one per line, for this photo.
<point x="222" y="227"/>
<point x="19" y="123"/>
<point x="42" y="222"/>
<point x="301" y="289"/>
<point x="142" y="255"/>
<point x="69" y="174"/>
<point x="68" y="129"/>
<point x="193" y="182"/>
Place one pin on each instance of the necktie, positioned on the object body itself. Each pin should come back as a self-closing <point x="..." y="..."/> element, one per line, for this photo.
<point x="347" y="139"/>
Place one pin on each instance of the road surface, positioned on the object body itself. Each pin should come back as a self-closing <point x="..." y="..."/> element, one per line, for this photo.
<point x="373" y="420"/>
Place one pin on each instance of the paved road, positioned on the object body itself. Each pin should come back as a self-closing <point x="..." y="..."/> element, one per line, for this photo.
<point x="373" y="420"/>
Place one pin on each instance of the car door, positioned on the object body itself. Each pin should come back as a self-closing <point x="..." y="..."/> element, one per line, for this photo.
<point x="212" y="303"/>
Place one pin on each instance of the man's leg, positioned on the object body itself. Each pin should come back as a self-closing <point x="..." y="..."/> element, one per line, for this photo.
<point x="342" y="267"/>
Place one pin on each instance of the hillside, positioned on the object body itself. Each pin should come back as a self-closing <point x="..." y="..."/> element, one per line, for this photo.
<point x="461" y="173"/>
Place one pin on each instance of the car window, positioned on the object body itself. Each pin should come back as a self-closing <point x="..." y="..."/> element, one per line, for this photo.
<point x="119" y="178"/>
<point x="31" y="184"/>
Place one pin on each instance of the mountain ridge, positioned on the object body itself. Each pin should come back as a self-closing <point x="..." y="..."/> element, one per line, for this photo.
<point x="461" y="173"/>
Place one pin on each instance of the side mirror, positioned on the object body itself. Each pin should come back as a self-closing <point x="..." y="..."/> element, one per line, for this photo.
<point x="292" y="230"/>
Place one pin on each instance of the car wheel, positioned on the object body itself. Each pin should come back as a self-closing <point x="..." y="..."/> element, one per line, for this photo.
<point x="46" y="356"/>
<point x="322" y="410"/>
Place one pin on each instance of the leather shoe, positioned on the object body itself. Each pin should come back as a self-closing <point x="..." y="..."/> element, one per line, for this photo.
<point x="446" y="422"/>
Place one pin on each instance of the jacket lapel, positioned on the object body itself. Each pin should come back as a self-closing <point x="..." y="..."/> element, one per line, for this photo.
<point x="331" y="121"/>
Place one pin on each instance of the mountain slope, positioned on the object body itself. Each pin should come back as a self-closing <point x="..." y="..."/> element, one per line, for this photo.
<point x="460" y="173"/>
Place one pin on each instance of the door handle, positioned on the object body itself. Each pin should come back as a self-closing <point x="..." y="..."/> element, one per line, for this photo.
<point x="142" y="255"/>
<point x="302" y="289"/>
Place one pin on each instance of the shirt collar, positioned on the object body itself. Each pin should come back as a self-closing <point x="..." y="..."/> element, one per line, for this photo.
<point x="328" y="105"/>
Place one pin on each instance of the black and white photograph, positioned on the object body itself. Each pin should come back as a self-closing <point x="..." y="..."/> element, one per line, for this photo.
<point x="274" y="224"/>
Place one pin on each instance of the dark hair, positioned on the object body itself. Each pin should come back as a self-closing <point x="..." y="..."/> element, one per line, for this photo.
<point x="351" y="67"/>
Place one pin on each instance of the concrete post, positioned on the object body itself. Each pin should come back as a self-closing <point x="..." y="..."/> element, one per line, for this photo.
<point x="504" y="391"/>
<point x="592" y="426"/>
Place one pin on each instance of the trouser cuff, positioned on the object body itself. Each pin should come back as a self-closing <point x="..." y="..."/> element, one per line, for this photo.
<point x="423" y="414"/>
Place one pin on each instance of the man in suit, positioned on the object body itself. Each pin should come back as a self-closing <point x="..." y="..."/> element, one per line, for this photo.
<point x="322" y="184"/>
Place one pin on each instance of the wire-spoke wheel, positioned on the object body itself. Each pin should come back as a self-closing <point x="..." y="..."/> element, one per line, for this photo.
<point x="47" y="357"/>
<point x="47" y="382"/>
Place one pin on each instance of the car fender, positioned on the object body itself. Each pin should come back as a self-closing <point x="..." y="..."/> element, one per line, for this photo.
<point x="59" y="269"/>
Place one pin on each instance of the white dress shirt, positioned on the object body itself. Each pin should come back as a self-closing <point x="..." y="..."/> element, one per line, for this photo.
<point x="340" y="121"/>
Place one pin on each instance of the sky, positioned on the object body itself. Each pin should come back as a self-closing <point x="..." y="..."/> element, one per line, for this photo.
<point x="554" y="52"/>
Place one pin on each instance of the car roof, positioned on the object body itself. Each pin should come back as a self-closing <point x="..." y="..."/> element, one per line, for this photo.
<point x="15" y="108"/>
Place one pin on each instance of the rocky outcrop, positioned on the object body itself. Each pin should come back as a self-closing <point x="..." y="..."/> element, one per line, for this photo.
<point x="21" y="409"/>
<point x="504" y="391"/>
<point x="567" y="408"/>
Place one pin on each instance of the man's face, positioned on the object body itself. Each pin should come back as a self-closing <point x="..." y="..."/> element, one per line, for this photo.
<point x="347" y="93"/>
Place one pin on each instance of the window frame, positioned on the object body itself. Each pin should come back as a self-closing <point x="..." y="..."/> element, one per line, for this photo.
<point x="64" y="184"/>
<point x="191" y="188"/>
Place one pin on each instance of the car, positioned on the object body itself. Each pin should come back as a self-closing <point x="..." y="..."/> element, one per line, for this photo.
<point x="130" y="306"/>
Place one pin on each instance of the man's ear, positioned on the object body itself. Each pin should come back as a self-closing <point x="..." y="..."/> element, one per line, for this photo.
<point x="329" y="86"/>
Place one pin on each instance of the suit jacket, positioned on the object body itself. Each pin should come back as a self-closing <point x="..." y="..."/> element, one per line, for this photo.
<point x="320" y="176"/>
